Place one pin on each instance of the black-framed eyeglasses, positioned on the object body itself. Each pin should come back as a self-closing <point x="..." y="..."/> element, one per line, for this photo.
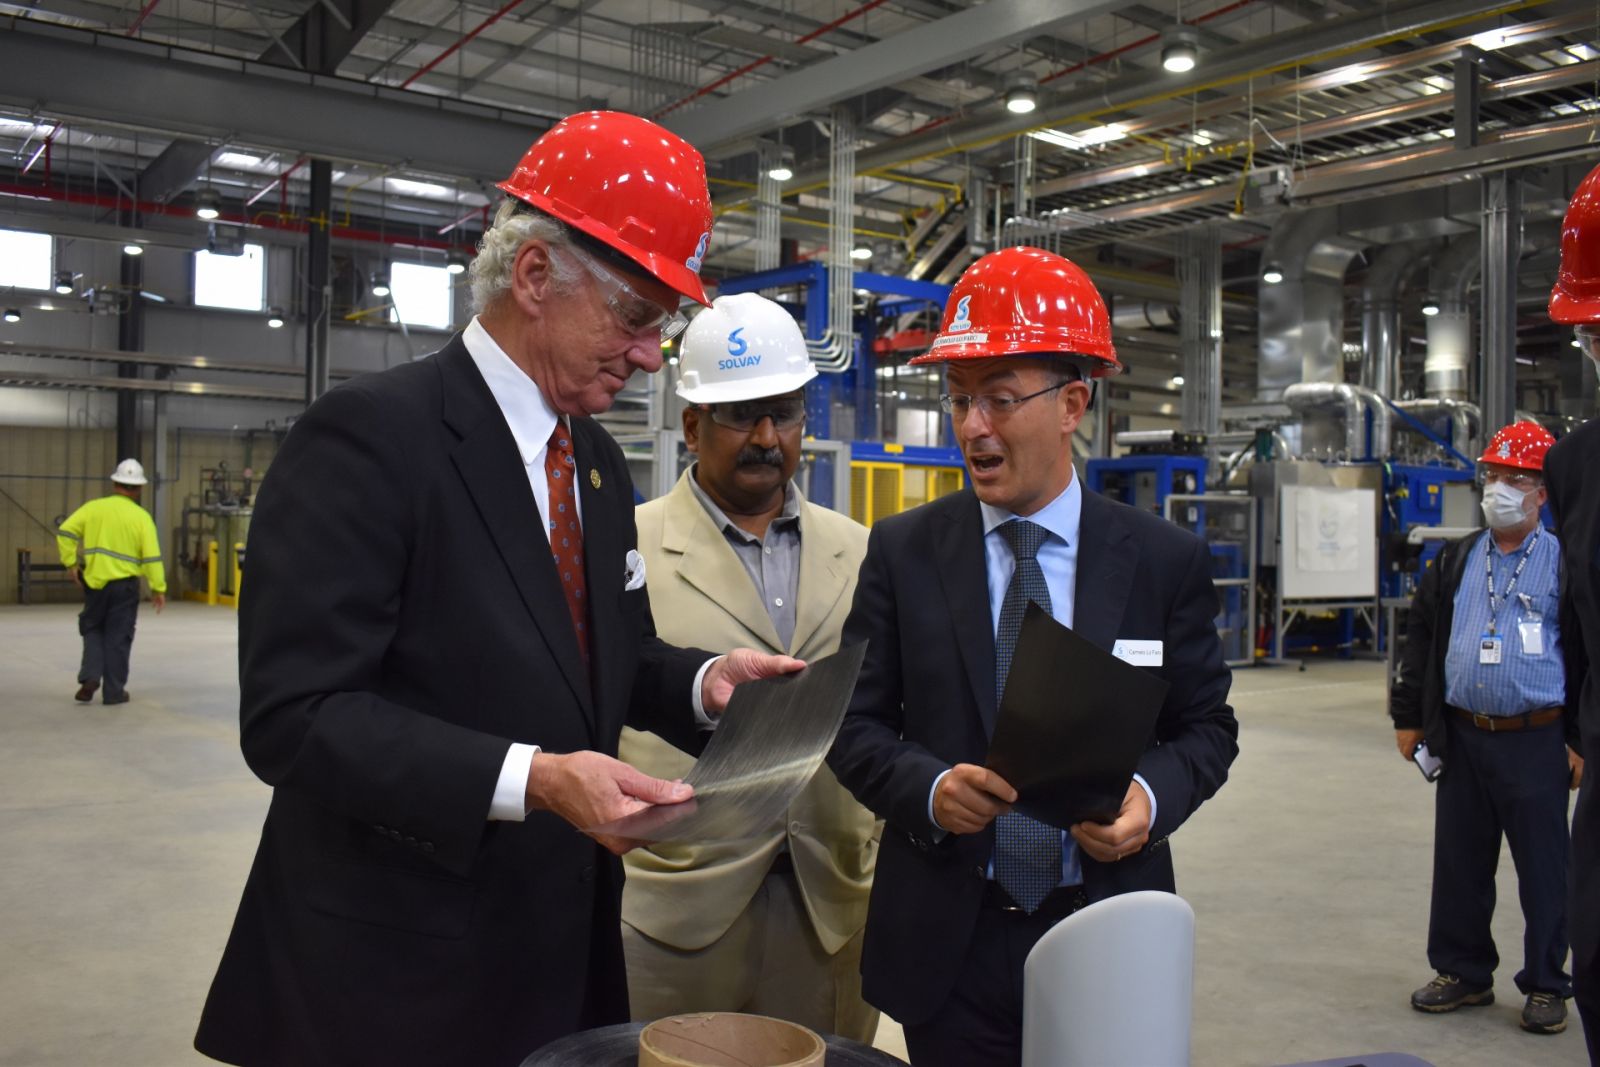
<point x="745" y="415"/>
<point x="993" y="405"/>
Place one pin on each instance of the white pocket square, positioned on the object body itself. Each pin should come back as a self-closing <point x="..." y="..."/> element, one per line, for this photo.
<point x="633" y="570"/>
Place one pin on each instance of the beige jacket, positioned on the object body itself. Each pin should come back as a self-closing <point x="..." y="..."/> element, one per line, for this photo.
<point x="700" y="595"/>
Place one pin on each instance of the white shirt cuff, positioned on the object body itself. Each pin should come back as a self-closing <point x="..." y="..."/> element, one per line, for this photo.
<point x="704" y="721"/>
<point x="1151" y="793"/>
<point x="510" y="803"/>
<point x="938" y="831"/>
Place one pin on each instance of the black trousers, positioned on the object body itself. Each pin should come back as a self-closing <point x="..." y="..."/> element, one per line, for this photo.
<point x="1514" y="784"/>
<point x="980" y="1025"/>
<point x="107" y="623"/>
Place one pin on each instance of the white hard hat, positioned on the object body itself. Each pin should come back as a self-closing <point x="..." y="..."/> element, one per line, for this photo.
<point x="742" y="347"/>
<point x="129" y="472"/>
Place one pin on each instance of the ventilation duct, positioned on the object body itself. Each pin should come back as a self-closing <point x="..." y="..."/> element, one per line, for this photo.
<point x="1380" y="315"/>
<point x="1301" y="317"/>
<point x="1445" y="369"/>
<point x="1351" y="403"/>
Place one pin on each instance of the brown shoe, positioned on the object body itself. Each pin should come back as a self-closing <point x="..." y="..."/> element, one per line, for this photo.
<point x="1447" y="993"/>
<point x="85" y="692"/>
<point x="1544" y="1013"/>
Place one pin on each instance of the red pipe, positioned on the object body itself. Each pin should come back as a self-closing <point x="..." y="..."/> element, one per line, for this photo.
<point x="747" y="68"/>
<point x="1140" y="43"/>
<point x="349" y="233"/>
<point x="144" y="14"/>
<point x="442" y="56"/>
<point x="281" y="183"/>
<point x="44" y="150"/>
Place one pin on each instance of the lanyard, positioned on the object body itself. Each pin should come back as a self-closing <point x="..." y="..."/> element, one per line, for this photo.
<point x="1488" y="566"/>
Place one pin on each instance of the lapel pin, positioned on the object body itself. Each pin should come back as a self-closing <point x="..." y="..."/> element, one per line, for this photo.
<point x="594" y="477"/>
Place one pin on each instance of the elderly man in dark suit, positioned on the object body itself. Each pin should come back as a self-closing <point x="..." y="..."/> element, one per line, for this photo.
<point x="965" y="887"/>
<point x="1573" y="479"/>
<point x="445" y="628"/>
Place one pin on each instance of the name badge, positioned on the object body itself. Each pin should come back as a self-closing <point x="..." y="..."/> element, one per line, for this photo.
<point x="1489" y="649"/>
<point x="1532" y="631"/>
<point x="1138" y="653"/>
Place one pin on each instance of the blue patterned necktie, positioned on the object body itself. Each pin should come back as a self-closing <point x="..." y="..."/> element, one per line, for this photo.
<point x="1027" y="853"/>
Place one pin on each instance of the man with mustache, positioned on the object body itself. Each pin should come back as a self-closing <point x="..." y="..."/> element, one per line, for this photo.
<point x="737" y="556"/>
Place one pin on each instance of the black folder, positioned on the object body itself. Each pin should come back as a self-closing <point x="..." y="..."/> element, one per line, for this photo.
<point x="1073" y="722"/>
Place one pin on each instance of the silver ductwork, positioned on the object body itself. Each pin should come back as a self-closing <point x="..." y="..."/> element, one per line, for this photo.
<point x="1351" y="402"/>
<point x="1445" y="370"/>
<point x="1380" y="315"/>
<point x="1465" y="420"/>
<point x="1143" y="315"/>
<point x="1301" y="317"/>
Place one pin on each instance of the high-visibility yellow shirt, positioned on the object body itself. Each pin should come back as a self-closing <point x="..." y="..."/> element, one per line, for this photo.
<point x="111" y="538"/>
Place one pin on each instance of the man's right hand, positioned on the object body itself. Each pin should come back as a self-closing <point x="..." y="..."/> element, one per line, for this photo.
<point x="1407" y="741"/>
<point x="77" y="576"/>
<point x="591" y="789"/>
<point x="969" y="797"/>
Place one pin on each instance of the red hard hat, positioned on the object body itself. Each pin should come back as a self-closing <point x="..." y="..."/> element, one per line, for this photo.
<point x="1576" y="296"/>
<point x="628" y="183"/>
<point x="1522" y="444"/>
<point x="1025" y="301"/>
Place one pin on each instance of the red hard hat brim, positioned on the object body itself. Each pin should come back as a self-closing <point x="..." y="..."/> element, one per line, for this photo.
<point x="1101" y="367"/>
<point x="678" y="277"/>
<point x="1573" y="311"/>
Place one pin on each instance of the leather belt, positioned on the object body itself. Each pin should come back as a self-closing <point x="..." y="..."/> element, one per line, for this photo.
<point x="1062" y="901"/>
<point x="1497" y="724"/>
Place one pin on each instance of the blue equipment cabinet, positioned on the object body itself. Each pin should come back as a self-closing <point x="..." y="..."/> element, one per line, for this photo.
<point x="1145" y="481"/>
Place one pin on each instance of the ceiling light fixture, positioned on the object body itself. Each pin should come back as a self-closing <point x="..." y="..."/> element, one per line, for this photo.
<point x="1272" y="275"/>
<point x="13" y="315"/>
<point x="1022" y="93"/>
<point x="1177" y="381"/>
<point x="1430" y="307"/>
<point x="1180" y="48"/>
<point x="207" y="204"/>
<point x="861" y="253"/>
<point x="783" y="169"/>
<point x="456" y="263"/>
<point x="131" y="249"/>
<point x="64" y="283"/>
<point x="380" y="282"/>
<point x="275" y="318"/>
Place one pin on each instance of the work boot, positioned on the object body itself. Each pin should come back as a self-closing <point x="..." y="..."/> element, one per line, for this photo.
<point x="1447" y="993"/>
<point x="85" y="692"/>
<point x="123" y="699"/>
<point x="1544" y="1013"/>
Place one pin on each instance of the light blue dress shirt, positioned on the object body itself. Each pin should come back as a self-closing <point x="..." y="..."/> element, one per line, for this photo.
<point x="1522" y="681"/>
<point x="1058" y="559"/>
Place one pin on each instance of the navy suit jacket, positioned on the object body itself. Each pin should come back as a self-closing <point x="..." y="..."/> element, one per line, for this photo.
<point x="1569" y="471"/>
<point x="401" y="623"/>
<point x="926" y="701"/>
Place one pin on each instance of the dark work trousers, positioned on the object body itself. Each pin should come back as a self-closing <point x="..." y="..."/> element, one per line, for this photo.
<point x="107" y="624"/>
<point x="1513" y="783"/>
<point x="980" y="1024"/>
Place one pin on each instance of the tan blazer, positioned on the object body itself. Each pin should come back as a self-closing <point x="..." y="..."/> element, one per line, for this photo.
<point x="688" y="896"/>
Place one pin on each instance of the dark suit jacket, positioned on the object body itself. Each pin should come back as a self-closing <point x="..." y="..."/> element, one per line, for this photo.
<point x="401" y="623"/>
<point x="926" y="701"/>
<point x="1571" y="474"/>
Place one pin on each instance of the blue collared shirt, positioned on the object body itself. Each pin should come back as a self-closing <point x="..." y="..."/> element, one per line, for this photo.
<point x="1522" y="681"/>
<point x="1058" y="559"/>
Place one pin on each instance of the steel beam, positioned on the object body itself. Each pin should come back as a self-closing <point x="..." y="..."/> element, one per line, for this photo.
<point x="97" y="77"/>
<point x="1200" y="327"/>
<point x="905" y="55"/>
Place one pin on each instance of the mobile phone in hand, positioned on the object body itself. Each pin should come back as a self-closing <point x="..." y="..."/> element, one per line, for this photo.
<point x="1430" y="765"/>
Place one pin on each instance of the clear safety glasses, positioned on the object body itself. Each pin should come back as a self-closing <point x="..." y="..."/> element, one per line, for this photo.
<point x="637" y="314"/>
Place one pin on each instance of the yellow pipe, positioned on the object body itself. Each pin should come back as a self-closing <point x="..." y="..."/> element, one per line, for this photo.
<point x="912" y="179"/>
<point x="211" y="574"/>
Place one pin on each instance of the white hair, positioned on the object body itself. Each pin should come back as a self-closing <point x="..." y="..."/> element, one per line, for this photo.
<point x="497" y="252"/>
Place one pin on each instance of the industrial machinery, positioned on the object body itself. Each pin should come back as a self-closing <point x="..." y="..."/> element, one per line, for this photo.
<point x="1159" y="463"/>
<point x="886" y="479"/>
<point x="217" y="514"/>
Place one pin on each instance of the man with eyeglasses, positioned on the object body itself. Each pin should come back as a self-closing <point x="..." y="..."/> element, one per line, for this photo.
<point x="965" y="886"/>
<point x="445" y="628"/>
<point x="1482" y="689"/>
<point x="1574" y="483"/>
<point x="738" y="556"/>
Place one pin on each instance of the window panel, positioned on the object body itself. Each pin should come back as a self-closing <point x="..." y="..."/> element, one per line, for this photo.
<point x="27" y="260"/>
<point x="238" y="282"/>
<point x="422" y="295"/>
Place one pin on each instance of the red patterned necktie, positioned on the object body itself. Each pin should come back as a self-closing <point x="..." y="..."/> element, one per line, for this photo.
<point x="566" y="535"/>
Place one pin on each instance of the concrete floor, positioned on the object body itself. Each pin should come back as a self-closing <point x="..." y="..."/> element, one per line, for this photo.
<point x="127" y="833"/>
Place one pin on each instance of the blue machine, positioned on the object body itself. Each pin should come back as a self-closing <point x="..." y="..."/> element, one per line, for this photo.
<point x="857" y="387"/>
<point x="1145" y="481"/>
<point x="1412" y="496"/>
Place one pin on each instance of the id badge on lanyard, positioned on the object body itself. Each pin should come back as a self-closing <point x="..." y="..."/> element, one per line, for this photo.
<point x="1490" y="649"/>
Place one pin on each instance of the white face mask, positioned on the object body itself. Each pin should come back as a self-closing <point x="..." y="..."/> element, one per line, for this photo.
<point x="1503" y="505"/>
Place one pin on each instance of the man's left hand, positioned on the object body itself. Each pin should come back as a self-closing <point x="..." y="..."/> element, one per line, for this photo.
<point x="1110" y="842"/>
<point x="1574" y="769"/>
<point x="737" y="667"/>
<point x="159" y="600"/>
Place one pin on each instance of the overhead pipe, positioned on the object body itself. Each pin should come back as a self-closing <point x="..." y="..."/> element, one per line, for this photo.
<point x="1380" y="315"/>
<point x="1466" y="420"/>
<point x="834" y="351"/>
<point x="1301" y="317"/>
<point x="1354" y="401"/>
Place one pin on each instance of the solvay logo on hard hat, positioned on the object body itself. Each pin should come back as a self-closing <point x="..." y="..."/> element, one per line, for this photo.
<point x="1505" y="449"/>
<point x="962" y="321"/>
<point x="737" y="346"/>
<point x="694" y="261"/>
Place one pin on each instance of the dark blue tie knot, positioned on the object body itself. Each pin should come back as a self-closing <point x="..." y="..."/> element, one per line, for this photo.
<point x="1024" y="537"/>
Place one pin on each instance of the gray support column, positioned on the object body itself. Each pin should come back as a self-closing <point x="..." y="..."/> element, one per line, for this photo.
<point x="319" y="269"/>
<point x="1501" y="238"/>
<point x="159" y="480"/>
<point x="1200" y="328"/>
<point x="769" y="200"/>
<point x="1022" y="178"/>
<point x="1467" y="96"/>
